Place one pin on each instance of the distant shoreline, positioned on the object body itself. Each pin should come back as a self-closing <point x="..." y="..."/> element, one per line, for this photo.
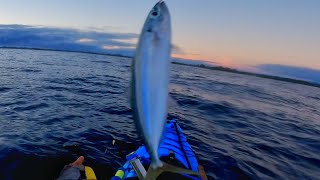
<point x="217" y="68"/>
<point x="226" y="69"/>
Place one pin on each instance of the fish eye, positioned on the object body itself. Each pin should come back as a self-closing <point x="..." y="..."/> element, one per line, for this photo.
<point x="155" y="14"/>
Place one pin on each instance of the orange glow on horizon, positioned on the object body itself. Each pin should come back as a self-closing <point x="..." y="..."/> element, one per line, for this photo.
<point x="192" y="57"/>
<point x="225" y="61"/>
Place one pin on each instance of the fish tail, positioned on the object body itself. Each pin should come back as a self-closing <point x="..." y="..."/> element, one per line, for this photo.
<point x="153" y="173"/>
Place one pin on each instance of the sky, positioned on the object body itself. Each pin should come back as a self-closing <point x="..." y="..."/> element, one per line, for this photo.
<point x="231" y="33"/>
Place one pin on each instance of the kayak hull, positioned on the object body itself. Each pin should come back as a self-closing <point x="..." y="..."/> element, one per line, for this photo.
<point x="173" y="148"/>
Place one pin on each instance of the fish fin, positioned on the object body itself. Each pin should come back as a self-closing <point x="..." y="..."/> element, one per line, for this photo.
<point x="154" y="173"/>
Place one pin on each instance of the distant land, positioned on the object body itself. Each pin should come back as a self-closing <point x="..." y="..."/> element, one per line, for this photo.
<point x="295" y="72"/>
<point x="226" y="69"/>
<point x="193" y="64"/>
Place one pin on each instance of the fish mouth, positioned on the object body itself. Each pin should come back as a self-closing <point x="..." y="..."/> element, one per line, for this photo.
<point x="160" y="2"/>
<point x="161" y="8"/>
<point x="161" y="5"/>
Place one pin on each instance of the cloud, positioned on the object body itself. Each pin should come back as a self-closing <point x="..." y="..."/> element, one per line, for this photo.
<point x="302" y="73"/>
<point x="66" y="39"/>
<point x="132" y="41"/>
<point x="85" y="40"/>
<point x="115" y="47"/>
<point x="111" y="47"/>
<point x="94" y="40"/>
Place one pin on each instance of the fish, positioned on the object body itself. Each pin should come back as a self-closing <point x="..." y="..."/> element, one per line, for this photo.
<point x="150" y="85"/>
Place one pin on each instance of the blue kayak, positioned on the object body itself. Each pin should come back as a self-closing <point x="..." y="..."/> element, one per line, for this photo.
<point x="174" y="150"/>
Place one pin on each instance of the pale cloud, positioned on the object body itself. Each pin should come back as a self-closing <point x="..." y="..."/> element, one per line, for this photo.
<point x="86" y="40"/>
<point x="110" y="47"/>
<point x="132" y="41"/>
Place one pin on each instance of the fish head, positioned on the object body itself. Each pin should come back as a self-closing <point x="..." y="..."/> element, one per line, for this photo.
<point x="158" y="22"/>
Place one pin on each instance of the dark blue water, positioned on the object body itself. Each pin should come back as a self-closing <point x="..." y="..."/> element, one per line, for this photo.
<point x="56" y="105"/>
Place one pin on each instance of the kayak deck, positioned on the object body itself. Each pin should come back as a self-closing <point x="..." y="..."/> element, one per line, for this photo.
<point x="174" y="149"/>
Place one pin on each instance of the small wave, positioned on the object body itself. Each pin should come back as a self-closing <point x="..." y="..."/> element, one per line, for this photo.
<point x="102" y="62"/>
<point x="4" y="89"/>
<point x="17" y="102"/>
<point x="55" y="81"/>
<point x="315" y="97"/>
<point x="30" y="70"/>
<point x="120" y="110"/>
<point x="31" y="107"/>
<point x="57" y="88"/>
<point x="207" y="106"/>
<point x="223" y="108"/>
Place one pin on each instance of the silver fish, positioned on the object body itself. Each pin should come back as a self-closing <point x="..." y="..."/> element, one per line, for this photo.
<point x="151" y="78"/>
<point x="150" y="81"/>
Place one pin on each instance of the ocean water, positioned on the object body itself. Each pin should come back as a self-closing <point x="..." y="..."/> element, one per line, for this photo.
<point x="57" y="105"/>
